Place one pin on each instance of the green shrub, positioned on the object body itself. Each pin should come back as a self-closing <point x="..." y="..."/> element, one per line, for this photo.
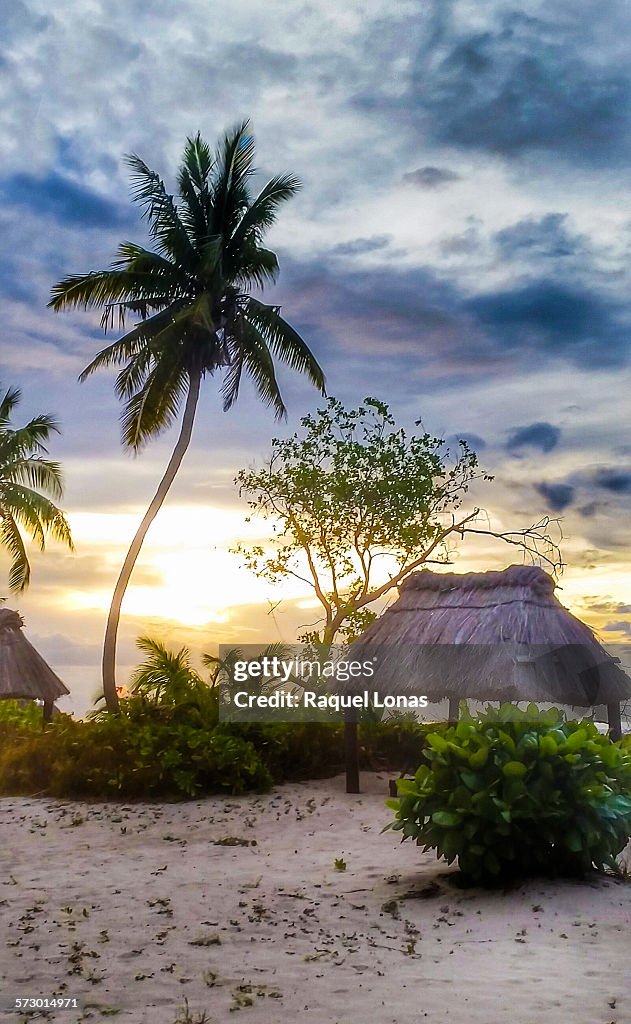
<point x="519" y="792"/>
<point x="131" y="755"/>
<point x="295" y="751"/>
<point x="394" y="745"/>
<point x="160" y="747"/>
<point x="23" y="714"/>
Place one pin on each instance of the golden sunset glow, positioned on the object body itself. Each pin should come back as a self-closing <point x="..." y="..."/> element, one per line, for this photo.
<point x="194" y="578"/>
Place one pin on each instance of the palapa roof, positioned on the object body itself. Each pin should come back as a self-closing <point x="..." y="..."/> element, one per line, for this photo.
<point x="23" y="672"/>
<point x="489" y="636"/>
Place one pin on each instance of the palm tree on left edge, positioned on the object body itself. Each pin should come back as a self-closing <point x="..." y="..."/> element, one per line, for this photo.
<point x="196" y="313"/>
<point x="27" y="477"/>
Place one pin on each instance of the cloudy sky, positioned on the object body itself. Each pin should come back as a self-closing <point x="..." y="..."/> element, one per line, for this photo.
<point x="460" y="249"/>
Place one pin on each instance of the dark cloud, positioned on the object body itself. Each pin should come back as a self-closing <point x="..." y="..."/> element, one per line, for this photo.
<point x="14" y="280"/>
<point x="557" y="320"/>
<point x="610" y="607"/>
<point x="508" y="91"/>
<point x="370" y="310"/>
<point x="65" y="201"/>
<point x="545" y="236"/>
<point x="361" y="246"/>
<point x="544" y="436"/>
<point x="20" y="22"/>
<point x="475" y="442"/>
<point x="258" y="63"/>
<point x="557" y="496"/>
<point x="618" y="627"/>
<point x="589" y="510"/>
<point x="391" y="313"/>
<point x="74" y="160"/>
<point x="431" y="177"/>
<point x="523" y="85"/>
<point x="461" y="245"/>
<point x="614" y="480"/>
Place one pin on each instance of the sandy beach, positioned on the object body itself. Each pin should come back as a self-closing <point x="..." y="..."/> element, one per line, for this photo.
<point x="236" y="905"/>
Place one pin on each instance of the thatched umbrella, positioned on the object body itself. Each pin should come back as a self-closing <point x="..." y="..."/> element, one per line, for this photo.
<point x="24" y="675"/>
<point x="500" y="636"/>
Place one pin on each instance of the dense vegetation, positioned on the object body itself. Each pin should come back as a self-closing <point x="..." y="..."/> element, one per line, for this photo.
<point x="519" y="792"/>
<point x="159" y="749"/>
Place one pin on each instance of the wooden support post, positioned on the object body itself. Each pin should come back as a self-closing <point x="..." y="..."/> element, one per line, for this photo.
<point x="47" y="711"/>
<point x="615" y="723"/>
<point x="454" y="710"/>
<point x="351" y="752"/>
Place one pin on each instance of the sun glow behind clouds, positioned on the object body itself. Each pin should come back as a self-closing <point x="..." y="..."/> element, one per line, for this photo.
<point x="187" y="548"/>
<point x="194" y="579"/>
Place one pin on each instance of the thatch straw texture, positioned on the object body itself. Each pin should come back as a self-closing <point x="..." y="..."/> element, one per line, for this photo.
<point x="489" y="636"/>
<point x="23" y="672"/>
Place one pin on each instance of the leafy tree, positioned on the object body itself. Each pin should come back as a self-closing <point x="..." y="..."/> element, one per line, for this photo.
<point x="29" y="482"/>
<point x="196" y="315"/>
<point x="356" y="505"/>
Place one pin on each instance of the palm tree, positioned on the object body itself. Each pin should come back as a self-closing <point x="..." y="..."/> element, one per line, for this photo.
<point x="196" y="314"/>
<point x="25" y="473"/>
<point x="166" y="676"/>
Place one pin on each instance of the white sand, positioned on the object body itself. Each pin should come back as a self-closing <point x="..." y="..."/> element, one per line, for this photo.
<point x="133" y="909"/>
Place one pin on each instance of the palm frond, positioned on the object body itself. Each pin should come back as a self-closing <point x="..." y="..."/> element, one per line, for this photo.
<point x="211" y="253"/>
<point x="114" y="354"/>
<point x="164" y="672"/>
<point x="153" y="648"/>
<point x="194" y="209"/>
<point x="152" y="409"/>
<point x="11" y="399"/>
<point x="160" y="211"/>
<point x="198" y="161"/>
<point x="193" y="186"/>
<point x="31" y="437"/>
<point x="134" y="374"/>
<point x="252" y="354"/>
<point x="37" y="514"/>
<point x="139" y="281"/>
<point x="11" y="540"/>
<point x="262" y="213"/>
<point x="254" y="265"/>
<point x="284" y="341"/>
<point x="103" y="287"/>
<point x="136" y="259"/>
<point x="24" y="475"/>
<point x="229" y="194"/>
<point x="59" y="529"/>
<point x="26" y="509"/>
<point x="128" y="347"/>
<point x="222" y="666"/>
<point x="34" y="472"/>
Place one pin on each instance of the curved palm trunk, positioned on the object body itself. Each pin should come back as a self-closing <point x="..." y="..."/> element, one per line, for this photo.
<point x="111" y="630"/>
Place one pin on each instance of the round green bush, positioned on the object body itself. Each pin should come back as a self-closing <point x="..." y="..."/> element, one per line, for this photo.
<point x="519" y="792"/>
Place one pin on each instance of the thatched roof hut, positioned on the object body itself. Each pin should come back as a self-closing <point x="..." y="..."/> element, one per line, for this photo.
<point x="489" y="636"/>
<point x="23" y="672"/>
